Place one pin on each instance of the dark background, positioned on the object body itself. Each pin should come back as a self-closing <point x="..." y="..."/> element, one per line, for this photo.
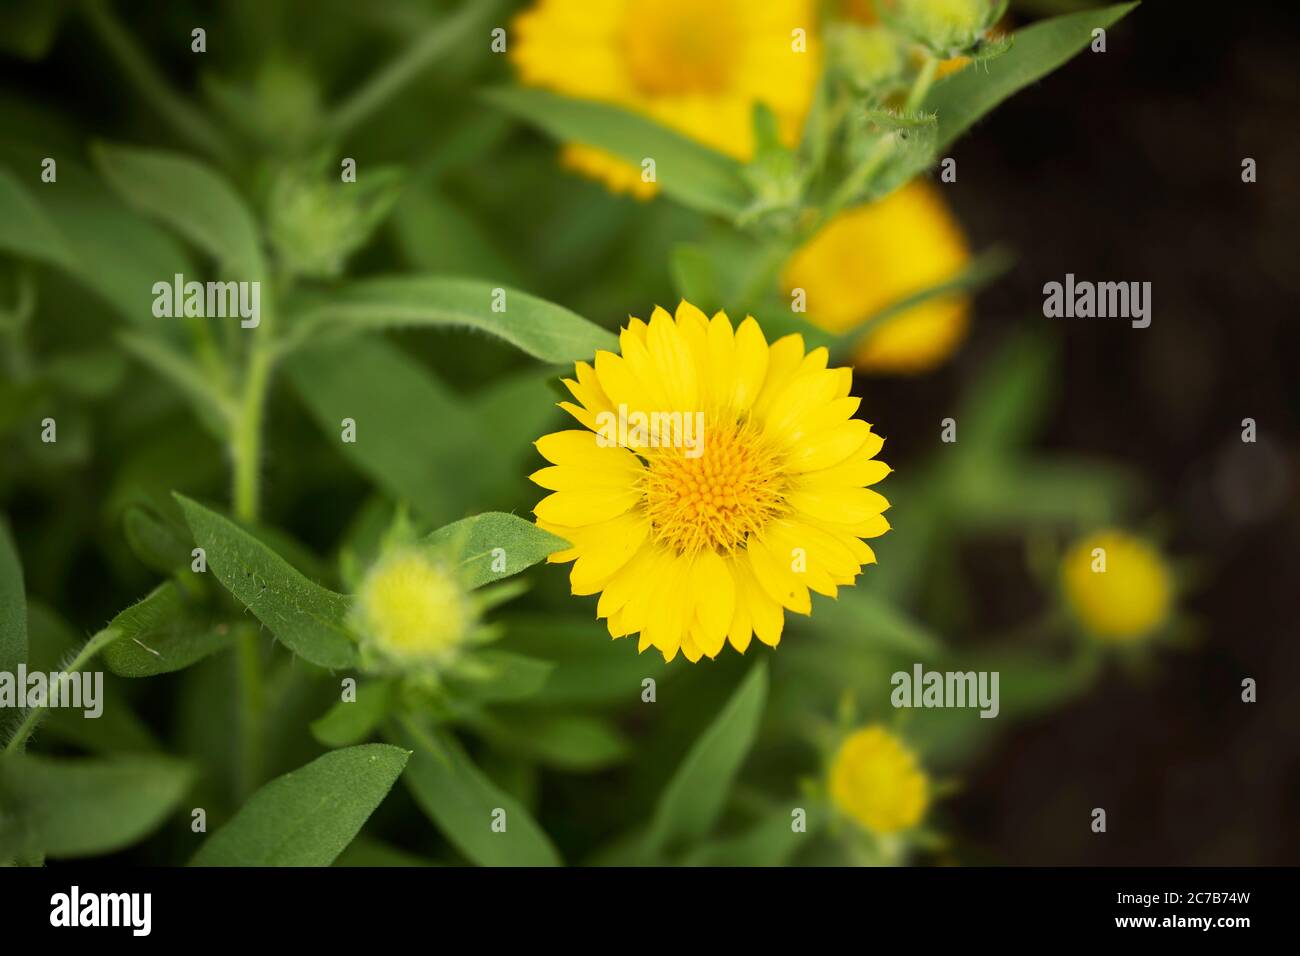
<point x="1127" y="166"/>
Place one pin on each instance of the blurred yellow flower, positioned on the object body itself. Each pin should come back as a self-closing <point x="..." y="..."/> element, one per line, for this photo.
<point x="698" y="68"/>
<point x="411" y="611"/>
<point x="870" y="256"/>
<point x="877" y="781"/>
<point x="717" y="480"/>
<point x="1117" y="585"/>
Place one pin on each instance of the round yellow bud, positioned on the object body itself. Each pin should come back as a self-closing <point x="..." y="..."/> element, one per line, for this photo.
<point x="412" y="610"/>
<point x="1117" y="585"/>
<point x="876" y="780"/>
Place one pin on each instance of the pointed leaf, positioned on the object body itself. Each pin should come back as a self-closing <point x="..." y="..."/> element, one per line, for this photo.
<point x="694" y="799"/>
<point x="686" y="170"/>
<point x="495" y="538"/>
<point x="962" y="98"/>
<point x="70" y="808"/>
<point x="539" y="328"/>
<point x="460" y="799"/>
<point x="191" y="198"/>
<point x="305" y="617"/>
<point x="308" y="816"/>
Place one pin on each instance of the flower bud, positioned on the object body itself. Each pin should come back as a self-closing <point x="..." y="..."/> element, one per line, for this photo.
<point x="876" y="781"/>
<point x="947" y="27"/>
<point x="411" y="613"/>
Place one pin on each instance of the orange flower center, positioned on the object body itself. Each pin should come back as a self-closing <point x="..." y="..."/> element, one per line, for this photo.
<point x="672" y="47"/>
<point x="714" y="501"/>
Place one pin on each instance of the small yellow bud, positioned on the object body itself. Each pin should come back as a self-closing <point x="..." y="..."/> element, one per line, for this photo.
<point x="1117" y="585"/>
<point x="876" y="780"/>
<point x="412" y="610"/>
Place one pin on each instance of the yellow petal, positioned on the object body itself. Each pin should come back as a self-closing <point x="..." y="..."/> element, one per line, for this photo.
<point x="574" y="509"/>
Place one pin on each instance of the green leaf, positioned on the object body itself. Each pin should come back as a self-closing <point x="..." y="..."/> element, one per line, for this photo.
<point x="72" y="808"/>
<point x="520" y="543"/>
<point x="348" y="723"/>
<point x="962" y="98"/>
<point x="395" y="403"/>
<point x="1009" y="400"/>
<point x="491" y="675"/>
<point x="590" y="669"/>
<point x="173" y="365"/>
<point x="25" y="229"/>
<point x="308" y="816"/>
<point x="191" y="198"/>
<point x="693" y="277"/>
<point x="571" y="742"/>
<point x="769" y="842"/>
<point x="305" y="617"/>
<point x="436" y="234"/>
<point x="13" y="604"/>
<point x="694" y="799"/>
<point x="159" y="546"/>
<point x="86" y="231"/>
<point x="686" y="170"/>
<point x="539" y="328"/>
<point x="162" y="634"/>
<point x="459" y="798"/>
<point x="866" y="618"/>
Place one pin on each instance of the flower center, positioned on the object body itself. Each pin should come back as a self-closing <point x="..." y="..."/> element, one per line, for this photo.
<point x="714" y="501"/>
<point x="680" y="46"/>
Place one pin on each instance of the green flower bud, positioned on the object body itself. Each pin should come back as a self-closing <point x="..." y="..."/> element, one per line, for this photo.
<point x="947" y="27"/>
<point x="868" y="57"/>
<point x="314" y="225"/>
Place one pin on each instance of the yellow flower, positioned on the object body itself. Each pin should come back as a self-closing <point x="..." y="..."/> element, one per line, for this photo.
<point x="411" y="611"/>
<point x="695" y="67"/>
<point x="873" y="255"/>
<point x="717" y="480"/>
<point x="1117" y="585"/>
<point x="876" y="780"/>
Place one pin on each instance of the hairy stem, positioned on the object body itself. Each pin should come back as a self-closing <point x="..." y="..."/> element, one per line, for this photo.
<point x="92" y="647"/>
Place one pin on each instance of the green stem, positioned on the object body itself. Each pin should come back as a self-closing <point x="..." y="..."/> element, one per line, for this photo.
<point x="92" y="647"/>
<point x="921" y="86"/>
<point x="858" y="179"/>
<point x="246" y="437"/>
<point x="183" y="116"/>
<point x="440" y="39"/>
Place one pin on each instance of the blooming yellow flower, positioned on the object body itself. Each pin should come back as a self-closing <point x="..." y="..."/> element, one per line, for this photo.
<point x="1117" y="585"/>
<point x="695" y="67"/>
<point x="717" y="480"/>
<point x="411" y="611"/>
<point x="876" y="780"/>
<point x="873" y="255"/>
